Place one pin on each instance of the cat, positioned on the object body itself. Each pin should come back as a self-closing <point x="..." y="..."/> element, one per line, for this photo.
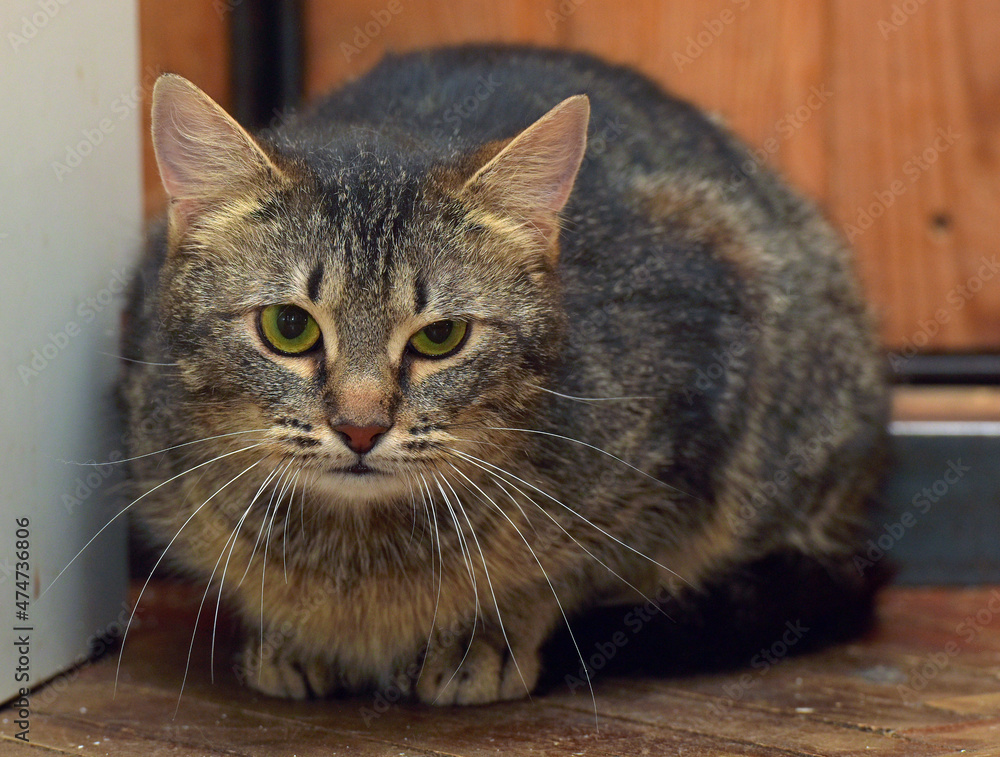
<point x="417" y="379"/>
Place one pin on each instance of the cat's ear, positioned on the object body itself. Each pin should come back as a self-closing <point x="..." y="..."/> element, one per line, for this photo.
<point x="531" y="178"/>
<point x="202" y="153"/>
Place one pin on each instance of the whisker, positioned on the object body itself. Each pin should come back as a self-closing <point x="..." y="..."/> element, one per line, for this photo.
<point x="167" y="449"/>
<point x="134" y="501"/>
<point x="472" y="458"/>
<point x="593" y="399"/>
<point x="160" y="559"/>
<point x="204" y="596"/>
<point x="501" y="483"/>
<point x="133" y="360"/>
<point x="555" y="596"/>
<point x="489" y="583"/>
<point x="302" y="512"/>
<point x="267" y="542"/>
<point x="225" y="568"/>
<point x="413" y="506"/>
<point x="603" y="452"/>
<point x="467" y="555"/>
<point x="263" y="522"/>
<point x="284" y="527"/>
<point x="437" y="538"/>
<point x="497" y="480"/>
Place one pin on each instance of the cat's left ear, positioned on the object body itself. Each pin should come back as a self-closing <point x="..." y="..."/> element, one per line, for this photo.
<point x="530" y="179"/>
<point x="203" y="154"/>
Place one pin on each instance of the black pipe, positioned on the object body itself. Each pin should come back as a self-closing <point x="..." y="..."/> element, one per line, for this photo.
<point x="266" y="58"/>
<point x="945" y="368"/>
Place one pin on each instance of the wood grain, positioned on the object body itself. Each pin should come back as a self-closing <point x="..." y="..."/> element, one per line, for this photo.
<point x="888" y="113"/>
<point x="895" y="692"/>
<point x="844" y="105"/>
<point x="916" y="142"/>
<point x="344" y="39"/>
<point x="186" y="37"/>
<point x="928" y="403"/>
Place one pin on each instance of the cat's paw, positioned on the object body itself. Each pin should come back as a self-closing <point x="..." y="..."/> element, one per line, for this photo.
<point x="281" y="673"/>
<point x="479" y="672"/>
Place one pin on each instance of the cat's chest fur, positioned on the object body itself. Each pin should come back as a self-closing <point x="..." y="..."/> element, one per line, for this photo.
<point x="415" y="390"/>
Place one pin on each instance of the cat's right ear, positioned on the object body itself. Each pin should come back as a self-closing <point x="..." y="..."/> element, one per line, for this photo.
<point x="203" y="155"/>
<point x="529" y="181"/>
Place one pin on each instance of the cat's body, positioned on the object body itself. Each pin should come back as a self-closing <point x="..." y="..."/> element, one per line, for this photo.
<point x="706" y="315"/>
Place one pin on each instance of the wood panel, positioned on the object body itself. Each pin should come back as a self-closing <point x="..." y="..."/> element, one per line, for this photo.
<point x="930" y="403"/>
<point x="923" y="683"/>
<point x="344" y="39"/>
<point x="826" y="91"/>
<point x="916" y="139"/>
<point x="186" y="37"/>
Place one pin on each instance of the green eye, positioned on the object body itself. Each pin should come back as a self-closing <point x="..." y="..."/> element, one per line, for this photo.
<point x="288" y="329"/>
<point x="440" y="339"/>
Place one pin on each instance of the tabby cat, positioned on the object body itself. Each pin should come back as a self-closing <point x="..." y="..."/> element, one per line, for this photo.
<point x="418" y="379"/>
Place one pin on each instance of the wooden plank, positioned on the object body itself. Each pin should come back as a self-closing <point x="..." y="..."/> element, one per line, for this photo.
<point x="961" y="738"/>
<point x="186" y="37"/>
<point x="843" y="700"/>
<point x="934" y="403"/>
<point x="800" y="728"/>
<point x="681" y="45"/>
<point x="347" y="37"/>
<point x="11" y="747"/>
<point x="71" y="736"/>
<point x="252" y="725"/>
<point x="915" y="142"/>
<point x="686" y="46"/>
<point x="141" y="728"/>
<point x="887" y="94"/>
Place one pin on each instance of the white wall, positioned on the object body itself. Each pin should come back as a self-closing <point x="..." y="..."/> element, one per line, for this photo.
<point x="70" y="229"/>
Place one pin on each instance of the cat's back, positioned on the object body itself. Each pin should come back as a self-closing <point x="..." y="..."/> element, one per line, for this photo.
<point x="458" y="98"/>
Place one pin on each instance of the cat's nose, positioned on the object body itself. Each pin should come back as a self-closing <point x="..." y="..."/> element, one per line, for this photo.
<point x="360" y="438"/>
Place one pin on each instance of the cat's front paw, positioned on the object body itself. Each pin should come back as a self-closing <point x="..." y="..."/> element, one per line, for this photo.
<point x="476" y="672"/>
<point x="280" y="672"/>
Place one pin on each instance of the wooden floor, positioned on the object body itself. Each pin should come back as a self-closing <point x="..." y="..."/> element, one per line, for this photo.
<point x="925" y="682"/>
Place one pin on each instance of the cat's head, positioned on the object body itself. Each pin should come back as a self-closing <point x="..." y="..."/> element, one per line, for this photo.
<point x="366" y="319"/>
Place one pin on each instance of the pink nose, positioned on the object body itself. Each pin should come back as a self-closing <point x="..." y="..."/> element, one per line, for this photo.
<point x="360" y="439"/>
